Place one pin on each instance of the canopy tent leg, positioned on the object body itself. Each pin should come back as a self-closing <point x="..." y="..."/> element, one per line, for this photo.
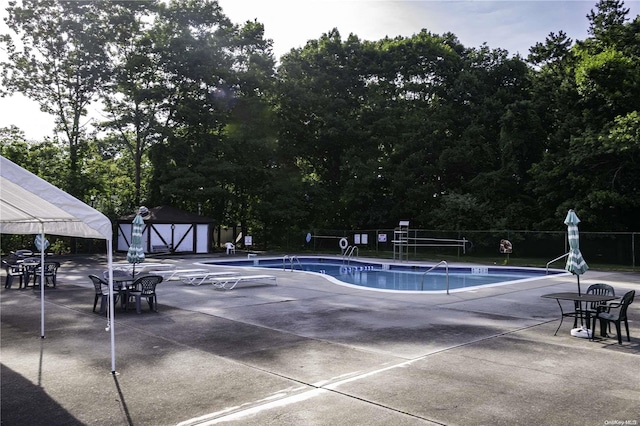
<point x="42" y="249"/>
<point x="112" y="323"/>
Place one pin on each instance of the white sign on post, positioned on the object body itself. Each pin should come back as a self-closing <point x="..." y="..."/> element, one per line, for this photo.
<point x="248" y="240"/>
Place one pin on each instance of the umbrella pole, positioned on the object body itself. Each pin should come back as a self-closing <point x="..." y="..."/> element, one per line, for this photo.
<point x="579" y="292"/>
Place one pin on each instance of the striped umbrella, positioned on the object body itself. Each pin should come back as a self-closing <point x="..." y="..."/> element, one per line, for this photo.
<point x="575" y="262"/>
<point x="136" y="252"/>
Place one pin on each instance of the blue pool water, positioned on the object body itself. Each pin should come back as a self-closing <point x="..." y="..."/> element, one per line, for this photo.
<point x="399" y="277"/>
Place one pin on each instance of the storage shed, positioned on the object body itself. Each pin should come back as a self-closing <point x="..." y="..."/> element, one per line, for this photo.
<point x="169" y="230"/>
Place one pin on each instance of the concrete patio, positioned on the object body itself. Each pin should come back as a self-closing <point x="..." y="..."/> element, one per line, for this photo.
<point x="310" y="352"/>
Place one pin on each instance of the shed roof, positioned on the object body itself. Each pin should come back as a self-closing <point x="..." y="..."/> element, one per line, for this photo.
<point x="168" y="214"/>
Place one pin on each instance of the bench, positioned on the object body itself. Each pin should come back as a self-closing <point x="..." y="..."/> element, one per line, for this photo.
<point x="202" y="277"/>
<point x="161" y="248"/>
<point x="230" y="282"/>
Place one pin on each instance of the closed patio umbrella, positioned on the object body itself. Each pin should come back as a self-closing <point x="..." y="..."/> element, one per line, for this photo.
<point x="41" y="243"/>
<point x="135" y="254"/>
<point x="575" y="262"/>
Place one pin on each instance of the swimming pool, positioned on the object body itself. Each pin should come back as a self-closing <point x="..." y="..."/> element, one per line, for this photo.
<point x="397" y="277"/>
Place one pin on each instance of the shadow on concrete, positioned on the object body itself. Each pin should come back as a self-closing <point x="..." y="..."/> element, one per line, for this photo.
<point x="16" y="390"/>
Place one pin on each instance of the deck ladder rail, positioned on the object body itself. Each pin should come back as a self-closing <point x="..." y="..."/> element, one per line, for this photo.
<point x="348" y="254"/>
<point x="291" y="260"/>
<point x="555" y="260"/>
<point x="442" y="262"/>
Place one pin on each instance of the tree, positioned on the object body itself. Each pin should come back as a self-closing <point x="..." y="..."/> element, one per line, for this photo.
<point x="320" y="94"/>
<point x="59" y="61"/>
<point x="588" y="163"/>
<point x="218" y="145"/>
<point x="45" y="159"/>
<point x="606" y="23"/>
<point x="135" y="94"/>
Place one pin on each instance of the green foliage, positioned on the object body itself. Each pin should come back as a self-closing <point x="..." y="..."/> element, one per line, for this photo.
<point x="9" y="243"/>
<point x="60" y="63"/>
<point x="48" y="159"/>
<point x="59" y="247"/>
<point x="344" y="133"/>
<point x="592" y="164"/>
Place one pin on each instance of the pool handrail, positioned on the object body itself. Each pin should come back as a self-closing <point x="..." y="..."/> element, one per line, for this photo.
<point x="555" y="260"/>
<point x="348" y="253"/>
<point x="291" y="259"/>
<point x="442" y="262"/>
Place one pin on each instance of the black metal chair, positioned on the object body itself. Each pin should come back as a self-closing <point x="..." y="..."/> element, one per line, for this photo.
<point x="144" y="287"/>
<point x="616" y="313"/>
<point x="102" y="293"/>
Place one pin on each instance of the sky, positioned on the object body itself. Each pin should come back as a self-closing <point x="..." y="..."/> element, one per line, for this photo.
<point x="512" y="25"/>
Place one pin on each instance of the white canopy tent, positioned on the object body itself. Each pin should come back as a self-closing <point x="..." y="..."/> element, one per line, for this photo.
<point x="31" y="205"/>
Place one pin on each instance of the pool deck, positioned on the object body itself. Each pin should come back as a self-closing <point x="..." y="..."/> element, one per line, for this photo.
<point x="310" y="352"/>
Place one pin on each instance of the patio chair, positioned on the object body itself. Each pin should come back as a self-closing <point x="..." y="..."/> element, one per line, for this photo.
<point x="144" y="287"/>
<point x="29" y="267"/>
<point x="102" y="294"/>
<point x="13" y="270"/>
<point x="616" y="313"/>
<point x="22" y="253"/>
<point x="599" y="289"/>
<point x="231" y="249"/>
<point x="50" y="273"/>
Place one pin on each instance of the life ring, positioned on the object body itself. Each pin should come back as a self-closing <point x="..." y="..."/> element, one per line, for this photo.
<point x="344" y="243"/>
<point x="506" y="246"/>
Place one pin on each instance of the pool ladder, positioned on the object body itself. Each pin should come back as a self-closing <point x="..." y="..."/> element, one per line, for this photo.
<point x="291" y="260"/>
<point x="348" y="254"/>
<point x="442" y="262"/>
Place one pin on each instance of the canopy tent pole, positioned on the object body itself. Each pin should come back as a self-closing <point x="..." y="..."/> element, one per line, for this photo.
<point x="111" y="307"/>
<point x="41" y="283"/>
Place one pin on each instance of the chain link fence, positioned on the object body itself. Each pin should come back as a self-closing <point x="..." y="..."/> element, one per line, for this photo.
<point x="598" y="248"/>
<point x="535" y="248"/>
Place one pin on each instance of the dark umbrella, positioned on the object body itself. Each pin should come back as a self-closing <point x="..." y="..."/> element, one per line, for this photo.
<point x="135" y="254"/>
<point x="575" y="262"/>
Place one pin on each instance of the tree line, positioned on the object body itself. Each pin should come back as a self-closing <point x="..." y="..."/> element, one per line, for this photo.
<point x="194" y="111"/>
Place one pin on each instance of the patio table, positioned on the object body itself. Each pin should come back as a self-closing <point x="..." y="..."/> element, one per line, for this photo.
<point x="122" y="281"/>
<point x="578" y="299"/>
<point x="29" y="268"/>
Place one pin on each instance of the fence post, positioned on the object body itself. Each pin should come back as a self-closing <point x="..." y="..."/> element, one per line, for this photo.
<point x="633" y="250"/>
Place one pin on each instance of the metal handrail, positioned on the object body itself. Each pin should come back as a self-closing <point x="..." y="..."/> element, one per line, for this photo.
<point x="555" y="260"/>
<point x="297" y="260"/>
<point x="290" y="259"/>
<point x="442" y="262"/>
<point x="348" y="253"/>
